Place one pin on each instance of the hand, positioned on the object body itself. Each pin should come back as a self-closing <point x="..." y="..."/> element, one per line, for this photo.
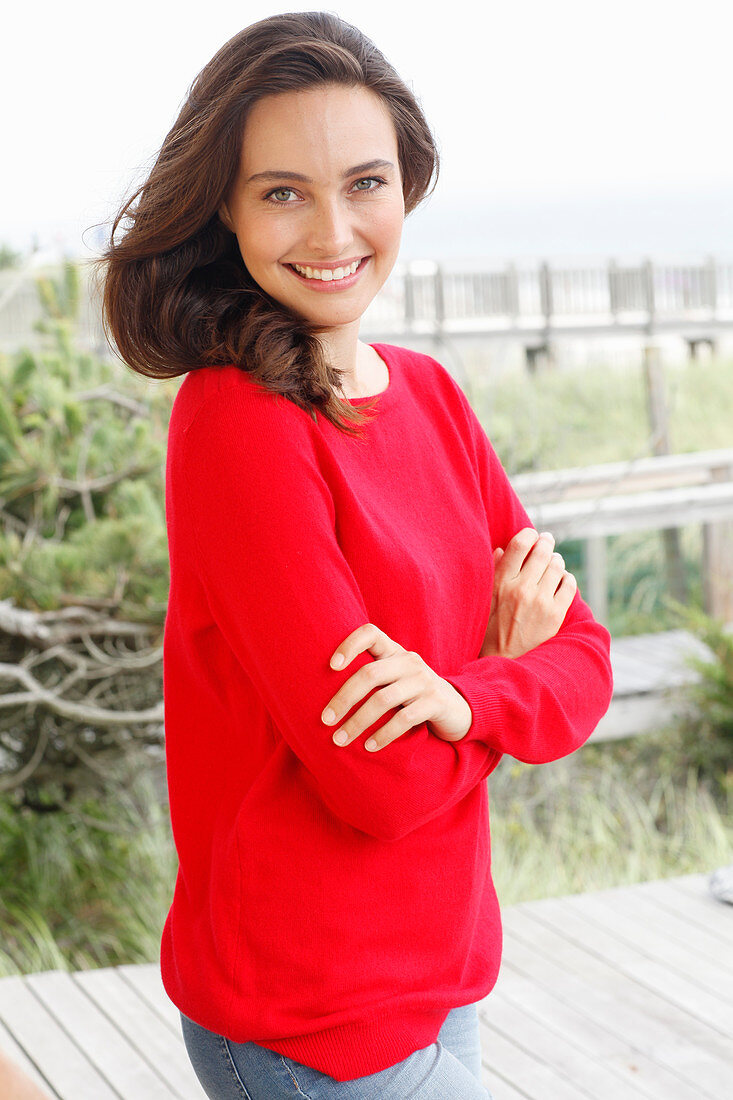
<point x="531" y="596"/>
<point x="406" y="681"/>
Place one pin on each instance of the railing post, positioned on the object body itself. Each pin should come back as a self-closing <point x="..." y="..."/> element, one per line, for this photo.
<point x="512" y="292"/>
<point x="546" y="306"/>
<point x="612" y="290"/>
<point x="409" y="299"/>
<point x="717" y="563"/>
<point x="439" y="297"/>
<point x="659" y="423"/>
<point x="712" y="286"/>
<point x="595" y="560"/>
<point x="648" y="275"/>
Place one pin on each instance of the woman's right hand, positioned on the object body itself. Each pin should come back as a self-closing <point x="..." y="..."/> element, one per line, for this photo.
<point x="532" y="593"/>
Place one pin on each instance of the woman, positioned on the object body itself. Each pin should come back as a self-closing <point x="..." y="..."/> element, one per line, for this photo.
<point x="334" y="922"/>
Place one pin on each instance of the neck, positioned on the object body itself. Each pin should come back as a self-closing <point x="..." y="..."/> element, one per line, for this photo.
<point x="349" y="355"/>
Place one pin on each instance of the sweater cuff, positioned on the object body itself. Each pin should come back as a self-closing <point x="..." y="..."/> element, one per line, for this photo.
<point x="485" y="705"/>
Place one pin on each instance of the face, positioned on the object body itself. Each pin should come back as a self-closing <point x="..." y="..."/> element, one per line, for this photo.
<point x="319" y="202"/>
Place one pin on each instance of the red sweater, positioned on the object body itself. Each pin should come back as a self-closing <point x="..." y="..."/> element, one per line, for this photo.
<point x="334" y="904"/>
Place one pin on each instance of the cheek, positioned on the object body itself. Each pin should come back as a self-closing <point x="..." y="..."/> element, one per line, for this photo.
<point x="260" y="242"/>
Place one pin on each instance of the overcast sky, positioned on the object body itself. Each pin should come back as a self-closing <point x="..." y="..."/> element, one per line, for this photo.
<point x="537" y="105"/>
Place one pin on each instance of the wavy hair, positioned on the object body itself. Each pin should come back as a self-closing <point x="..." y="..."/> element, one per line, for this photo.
<point x="176" y="294"/>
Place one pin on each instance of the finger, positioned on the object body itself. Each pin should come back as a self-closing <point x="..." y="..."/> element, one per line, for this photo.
<point x="409" y="716"/>
<point x="538" y="559"/>
<point x="565" y="593"/>
<point x="387" y="673"/>
<point x="516" y="551"/>
<point x="365" y="637"/>
<point x="553" y="574"/>
<point x="401" y="693"/>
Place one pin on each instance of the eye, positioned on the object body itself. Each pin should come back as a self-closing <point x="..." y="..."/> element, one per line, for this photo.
<point x="371" y="179"/>
<point x="377" y="180"/>
<point x="279" y="191"/>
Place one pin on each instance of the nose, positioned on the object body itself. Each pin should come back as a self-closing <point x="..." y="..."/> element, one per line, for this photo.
<point x="330" y="231"/>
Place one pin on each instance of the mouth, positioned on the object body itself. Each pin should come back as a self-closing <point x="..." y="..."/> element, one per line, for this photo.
<point x="329" y="283"/>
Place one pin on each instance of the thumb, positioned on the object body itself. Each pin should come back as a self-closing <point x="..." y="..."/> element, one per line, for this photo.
<point x="498" y="555"/>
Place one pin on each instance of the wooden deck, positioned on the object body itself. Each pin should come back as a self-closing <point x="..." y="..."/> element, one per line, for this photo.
<point x="648" y="671"/>
<point x="613" y="995"/>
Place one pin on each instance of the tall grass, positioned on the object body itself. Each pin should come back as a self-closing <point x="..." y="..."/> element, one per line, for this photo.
<point x="583" y="416"/>
<point x="601" y="818"/>
<point x="86" y="888"/>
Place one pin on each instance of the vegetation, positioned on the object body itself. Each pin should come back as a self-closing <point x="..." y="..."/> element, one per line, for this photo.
<point x="610" y="814"/>
<point x="9" y="258"/>
<point x="83" y="561"/>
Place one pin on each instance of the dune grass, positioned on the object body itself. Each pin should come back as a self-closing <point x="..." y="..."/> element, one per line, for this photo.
<point x="599" y="819"/>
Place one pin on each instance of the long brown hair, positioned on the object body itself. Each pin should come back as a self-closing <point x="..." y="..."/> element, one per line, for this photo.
<point x="176" y="294"/>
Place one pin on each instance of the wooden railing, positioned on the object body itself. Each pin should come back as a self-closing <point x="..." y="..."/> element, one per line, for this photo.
<point x="532" y="302"/>
<point x="669" y="491"/>
<point x="535" y="302"/>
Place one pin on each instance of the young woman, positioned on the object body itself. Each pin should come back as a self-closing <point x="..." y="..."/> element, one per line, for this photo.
<point x="361" y="617"/>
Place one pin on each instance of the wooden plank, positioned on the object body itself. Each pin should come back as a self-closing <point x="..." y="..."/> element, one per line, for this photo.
<point x="627" y="957"/>
<point x="614" y="918"/>
<point x="556" y="1049"/>
<point x="702" y="909"/>
<point x="125" y="1066"/>
<point x="502" y="1091"/>
<point x="697" y="887"/>
<point x="635" y="714"/>
<point x="145" y="979"/>
<point x="507" y="1061"/>
<point x="505" y="1091"/>
<point x="143" y="1027"/>
<point x="668" y="1034"/>
<point x="623" y="1057"/>
<point x="19" y="1056"/>
<point x="673" y="930"/>
<point x="70" y="1075"/>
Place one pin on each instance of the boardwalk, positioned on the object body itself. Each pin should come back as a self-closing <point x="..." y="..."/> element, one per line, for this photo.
<point x="648" y="671"/>
<point x="614" y="995"/>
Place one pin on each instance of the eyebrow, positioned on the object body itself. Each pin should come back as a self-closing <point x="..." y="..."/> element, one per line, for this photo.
<point x="279" y="174"/>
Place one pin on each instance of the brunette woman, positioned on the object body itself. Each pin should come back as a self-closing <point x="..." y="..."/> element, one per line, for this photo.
<point x="362" y="619"/>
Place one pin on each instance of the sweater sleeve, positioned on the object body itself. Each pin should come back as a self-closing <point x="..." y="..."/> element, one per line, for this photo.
<point x="545" y="704"/>
<point x="284" y="597"/>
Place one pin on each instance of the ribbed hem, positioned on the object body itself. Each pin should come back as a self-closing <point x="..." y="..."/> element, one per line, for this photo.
<point x="358" y="1049"/>
<point x="487" y="707"/>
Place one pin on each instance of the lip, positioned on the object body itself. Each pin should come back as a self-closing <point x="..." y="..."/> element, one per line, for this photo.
<point x="331" y="286"/>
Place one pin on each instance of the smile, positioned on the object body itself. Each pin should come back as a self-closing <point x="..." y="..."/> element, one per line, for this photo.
<point x="328" y="279"/>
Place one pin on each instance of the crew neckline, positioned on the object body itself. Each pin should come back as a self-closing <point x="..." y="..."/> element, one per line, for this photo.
<point x="388" y="391"/>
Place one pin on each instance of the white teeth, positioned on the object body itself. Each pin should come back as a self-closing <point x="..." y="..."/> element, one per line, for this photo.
<point x="326" y="274"/>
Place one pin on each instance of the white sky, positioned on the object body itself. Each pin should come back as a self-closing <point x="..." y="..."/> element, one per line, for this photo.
<point x="529" y="99"/>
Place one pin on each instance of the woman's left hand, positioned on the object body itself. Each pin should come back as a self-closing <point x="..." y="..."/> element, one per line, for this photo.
<point x="406" y="681"/>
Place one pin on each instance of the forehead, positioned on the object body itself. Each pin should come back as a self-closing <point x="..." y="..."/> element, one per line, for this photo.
<point x="321" y="126"/>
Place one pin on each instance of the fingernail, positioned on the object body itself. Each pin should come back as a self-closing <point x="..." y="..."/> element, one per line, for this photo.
<point x="328" y="716"/>
<point x="341" y="737"/>
<point x="338" y="660"/>
<point x="370" y="744"/>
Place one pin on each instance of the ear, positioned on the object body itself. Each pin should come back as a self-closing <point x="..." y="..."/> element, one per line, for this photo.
<point x="225" y="217"/>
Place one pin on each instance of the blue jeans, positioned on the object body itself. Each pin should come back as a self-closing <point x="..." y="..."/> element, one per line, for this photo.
<point x="448" y="1069"/>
